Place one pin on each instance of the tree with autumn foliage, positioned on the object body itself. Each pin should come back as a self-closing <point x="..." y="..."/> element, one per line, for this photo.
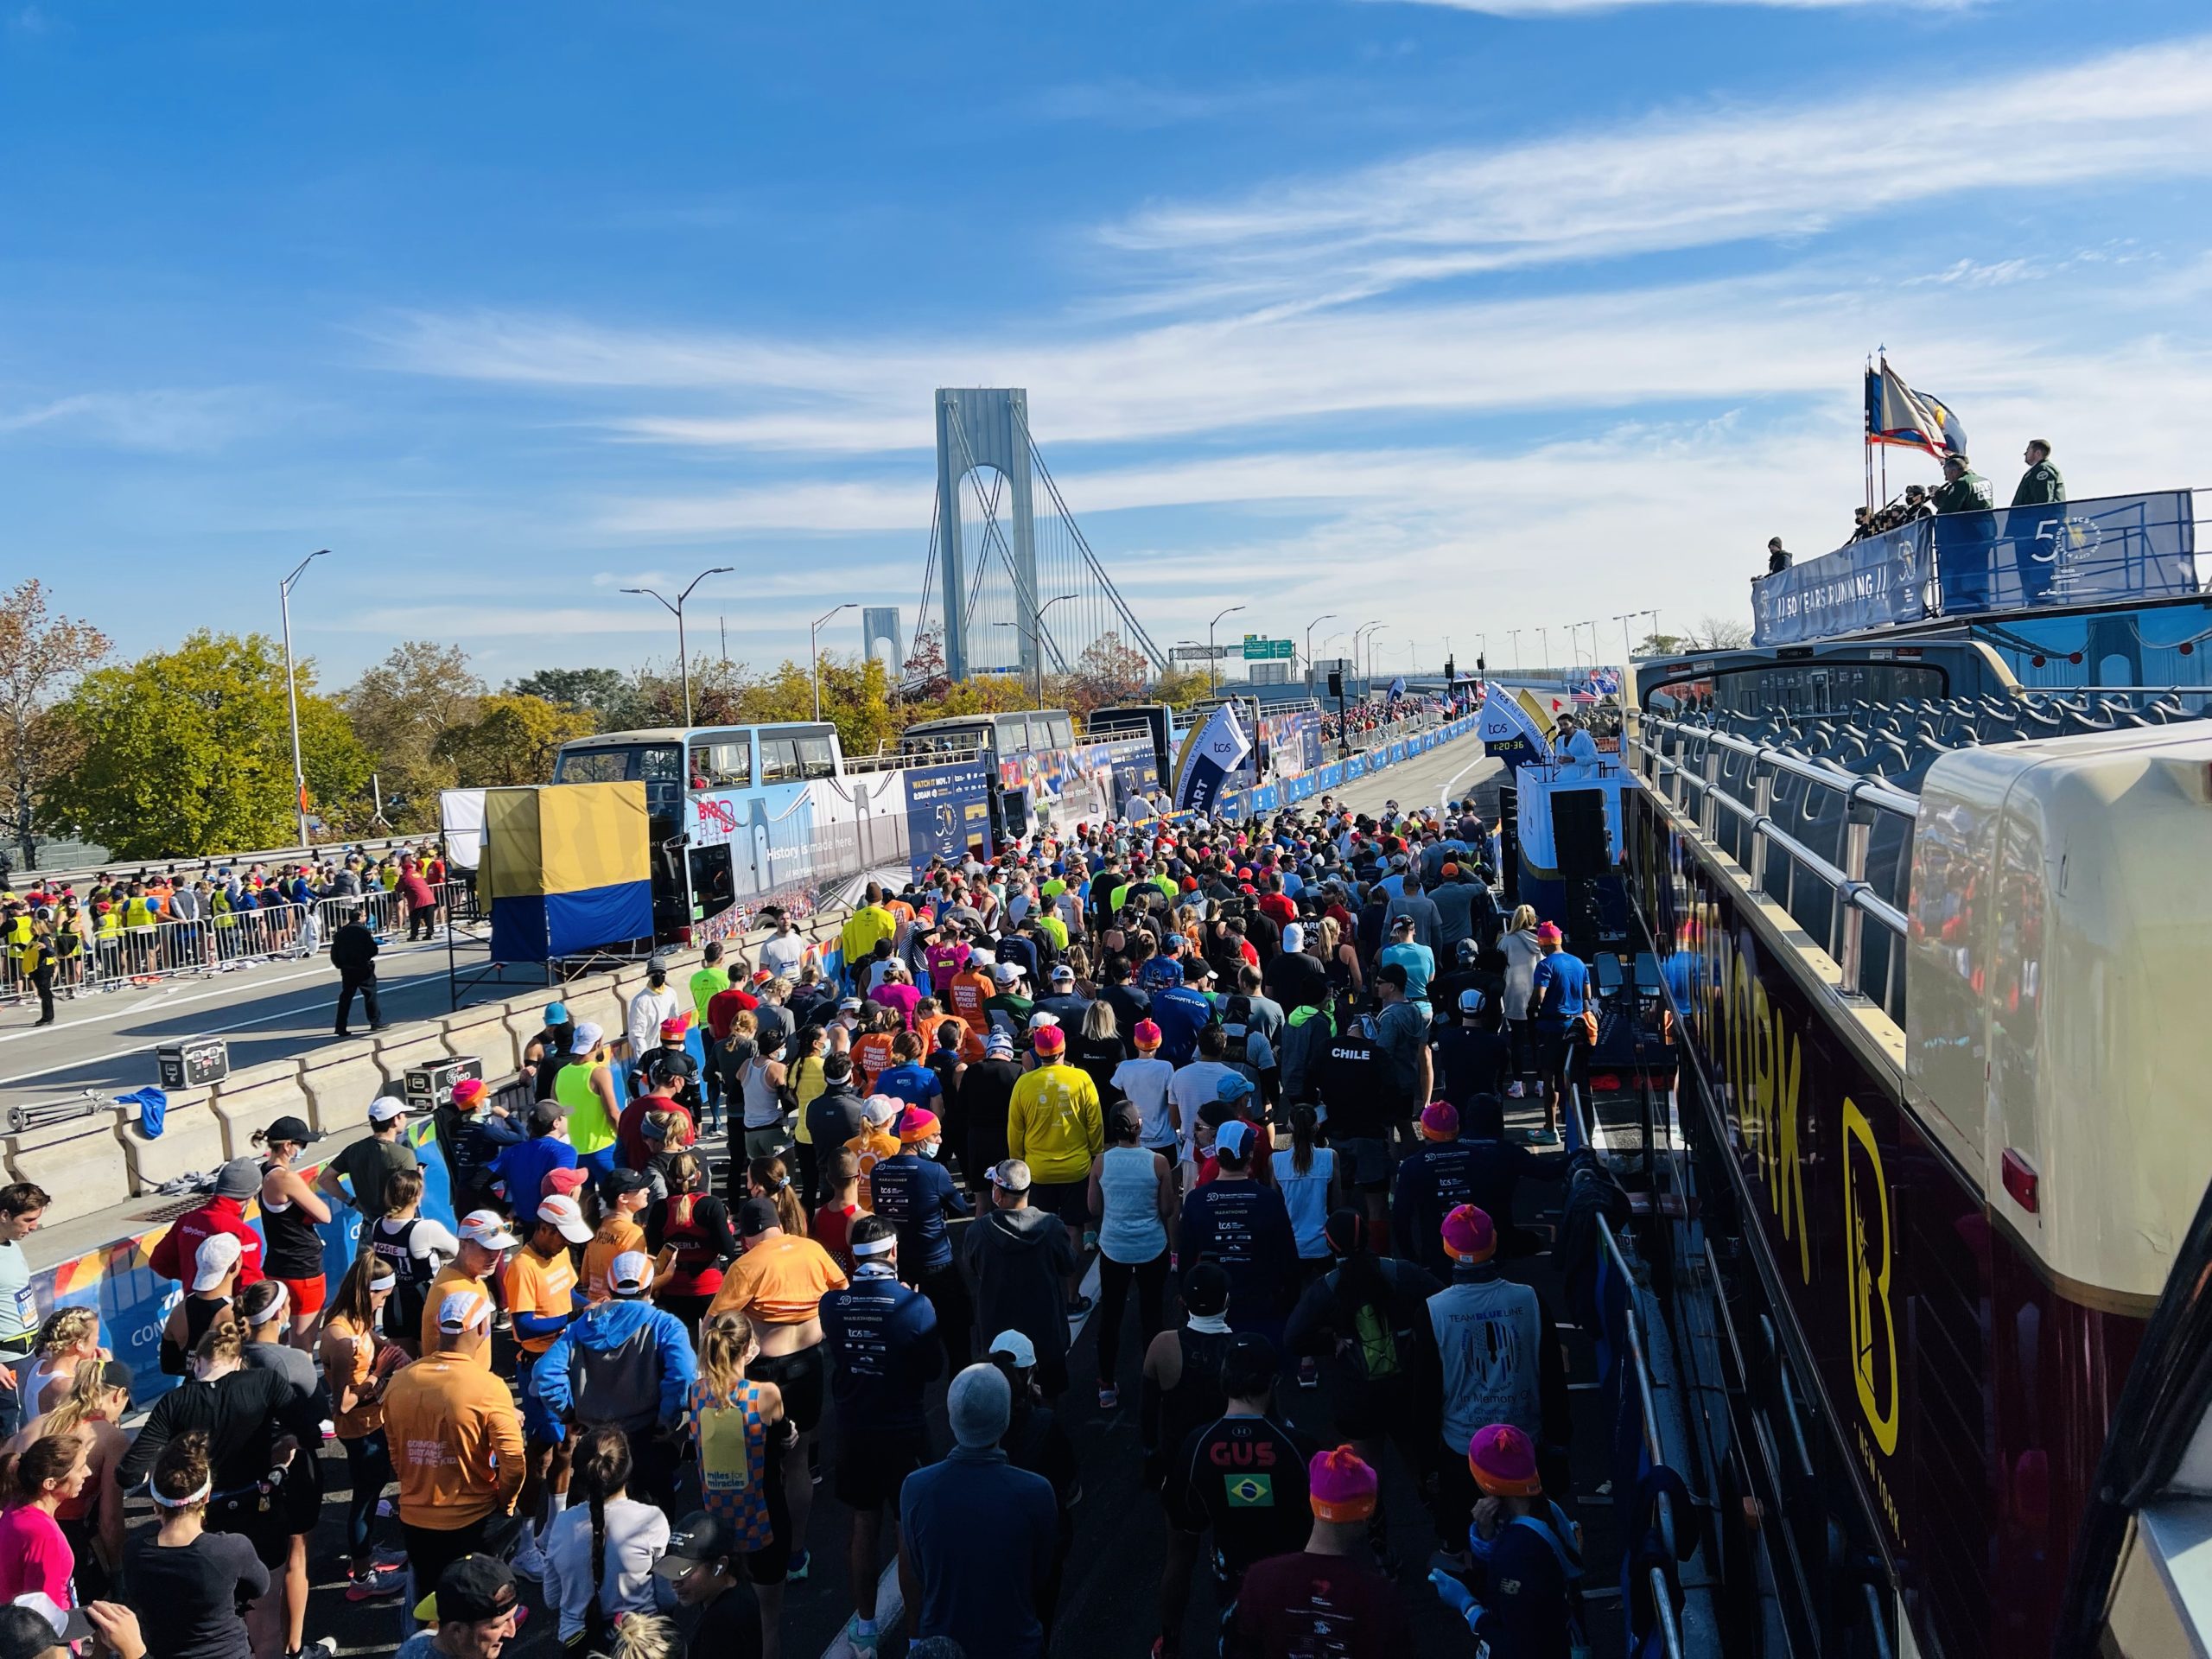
<point x="41" y="656"/>
<point x="1108" y="672"/>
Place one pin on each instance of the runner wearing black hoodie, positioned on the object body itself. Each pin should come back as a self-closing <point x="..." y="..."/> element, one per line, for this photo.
<point x="1019" y="1259"/>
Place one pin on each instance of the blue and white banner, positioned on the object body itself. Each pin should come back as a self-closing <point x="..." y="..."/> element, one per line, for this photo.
<point x="1875" y="583"/>
<point x="1211" y="753"/>
<point x="1509" y="732"/>
<point x="2112" y="547"/>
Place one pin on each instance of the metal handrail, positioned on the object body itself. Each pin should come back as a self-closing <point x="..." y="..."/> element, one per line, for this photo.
<point x="1698" y="792"/>
<point x="1663" y="1609"/>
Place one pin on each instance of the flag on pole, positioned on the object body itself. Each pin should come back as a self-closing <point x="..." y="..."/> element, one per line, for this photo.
<point x="1896" y="414"/>
<point x="1211" y="752"/>
<point x="1397" y="689"/>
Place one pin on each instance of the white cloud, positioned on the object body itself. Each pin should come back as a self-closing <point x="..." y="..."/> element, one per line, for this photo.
<point x="1730" y="340"/>
<point x="159" y="420"/>
<point x="1684" y="180"/>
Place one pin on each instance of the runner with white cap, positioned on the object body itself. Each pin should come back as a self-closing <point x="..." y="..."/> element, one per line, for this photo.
<point x="214" y="1282"/>
<point x="543" y="1296"/>
<point x="484" y="1239"/>
<point x="455" y="1439"/>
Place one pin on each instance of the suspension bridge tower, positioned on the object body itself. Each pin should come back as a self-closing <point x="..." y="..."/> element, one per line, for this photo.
<point x="1008" y="591"/>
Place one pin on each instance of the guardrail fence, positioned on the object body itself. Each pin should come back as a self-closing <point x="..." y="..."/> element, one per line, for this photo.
<point x="120" y="958"/>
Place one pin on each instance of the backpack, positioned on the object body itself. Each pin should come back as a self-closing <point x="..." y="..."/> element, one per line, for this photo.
<point x="1236" y="1019"/>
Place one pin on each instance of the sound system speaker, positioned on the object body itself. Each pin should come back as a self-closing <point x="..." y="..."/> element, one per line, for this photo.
<point x="1336" y="683"/>
<point x="1579" y="840"/>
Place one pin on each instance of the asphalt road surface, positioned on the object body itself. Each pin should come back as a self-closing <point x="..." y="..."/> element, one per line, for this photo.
<point x="105" y="1041"/>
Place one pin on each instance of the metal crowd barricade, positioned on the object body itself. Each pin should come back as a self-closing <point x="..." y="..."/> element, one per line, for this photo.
<point x="206" y="945"/>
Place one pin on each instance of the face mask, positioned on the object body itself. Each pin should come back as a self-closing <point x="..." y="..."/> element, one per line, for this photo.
<point x="928" y="1148"/>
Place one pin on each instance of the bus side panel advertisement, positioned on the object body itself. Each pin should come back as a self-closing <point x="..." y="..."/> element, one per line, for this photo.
<point x="948" y="812"/>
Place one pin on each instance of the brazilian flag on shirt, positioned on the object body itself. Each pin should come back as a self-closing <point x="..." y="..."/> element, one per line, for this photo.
<point x="1250" y="1491"/>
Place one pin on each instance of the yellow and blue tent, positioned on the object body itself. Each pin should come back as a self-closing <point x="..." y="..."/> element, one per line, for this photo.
<point x="566" y="869"/>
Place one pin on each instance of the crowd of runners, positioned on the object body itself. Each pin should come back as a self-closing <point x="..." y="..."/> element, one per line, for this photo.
<point x="1257" y="1073"/>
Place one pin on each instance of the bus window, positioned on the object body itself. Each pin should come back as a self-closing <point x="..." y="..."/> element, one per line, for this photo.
<point x="712" y="889"/>
<point x="592" y="766"/>
<point x="612" y="764"/>
<point x="722" y="765"/>
<point x="1062" y="730"/>
<point x="815" y="758"/>
<point x="779" y="760"/>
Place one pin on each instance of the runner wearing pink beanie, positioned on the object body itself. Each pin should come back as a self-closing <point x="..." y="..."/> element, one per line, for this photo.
<point x="1340" y="1486"/>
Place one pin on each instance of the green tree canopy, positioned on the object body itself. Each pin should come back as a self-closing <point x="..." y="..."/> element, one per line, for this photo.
<point x="402" y="709"/>
<point x="189" y="751"/>
<point x="512" y="740"/>
<point x="610" y="697"/>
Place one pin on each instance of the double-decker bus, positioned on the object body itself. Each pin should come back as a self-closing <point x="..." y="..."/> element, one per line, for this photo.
<point x="1927" y="903"/>
<point x="738" y="814"/>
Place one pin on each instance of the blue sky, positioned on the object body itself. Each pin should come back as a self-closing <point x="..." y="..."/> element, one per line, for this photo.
<point x="1470" y="317"/>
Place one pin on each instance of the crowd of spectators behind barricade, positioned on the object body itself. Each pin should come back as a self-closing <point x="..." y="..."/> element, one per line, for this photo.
<point x="67" y="939"/>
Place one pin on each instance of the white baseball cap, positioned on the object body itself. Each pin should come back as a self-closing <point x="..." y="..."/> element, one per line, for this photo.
<point x="630" y="1273"/>
<point x="463" y="1310"/>
<point x="488" y="1229"/>
<point x="1006" y="973"/>
<point x="384" y="1108"/>
<point x="881" y="1109"/>
<point x="588" y="1037"/>
<point x="565" y="1213"/>
<point x="1017" y="1347"/>
<point x="217" y="1253"/>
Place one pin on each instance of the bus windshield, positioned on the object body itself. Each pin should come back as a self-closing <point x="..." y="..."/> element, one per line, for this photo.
<point x="622" y="763"/>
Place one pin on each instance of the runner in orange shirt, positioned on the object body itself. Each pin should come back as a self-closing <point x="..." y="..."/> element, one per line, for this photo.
<point x="876" y="1142"/>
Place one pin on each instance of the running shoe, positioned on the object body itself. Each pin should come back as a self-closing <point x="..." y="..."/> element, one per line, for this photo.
<point x="378" y="1583"/>
<point x="861" y="1642"/>
<point x="1513" y="1090"/>
<point x="528" y="1561"/>
<point x="1078" y="1308"/>
<point x="1109" y="1397"/>
<point x="798" y="1568"/>
<point x="325" y="1647"/>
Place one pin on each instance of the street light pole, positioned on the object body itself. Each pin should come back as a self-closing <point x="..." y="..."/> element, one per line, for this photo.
<point x="1037" y="648"/>
<point x="1628" y="648"/>
<point x="1213" y="664"/>
<point x="1325" y="616"/>
<point x="1514" y="634"/>
<point x="292" y="693"/>
<point x="814" y="651"/>
<point x="1359" y="634"/>
<point x="676" y="609"/>
<point x="1546" y="634"/>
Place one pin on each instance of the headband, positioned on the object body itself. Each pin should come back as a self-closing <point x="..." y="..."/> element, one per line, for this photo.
<point x="205" y="1490"/>
<point x="876" y="1246"/>
<point x="387" y="1275"/>
<point x="278" y="1304"/>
